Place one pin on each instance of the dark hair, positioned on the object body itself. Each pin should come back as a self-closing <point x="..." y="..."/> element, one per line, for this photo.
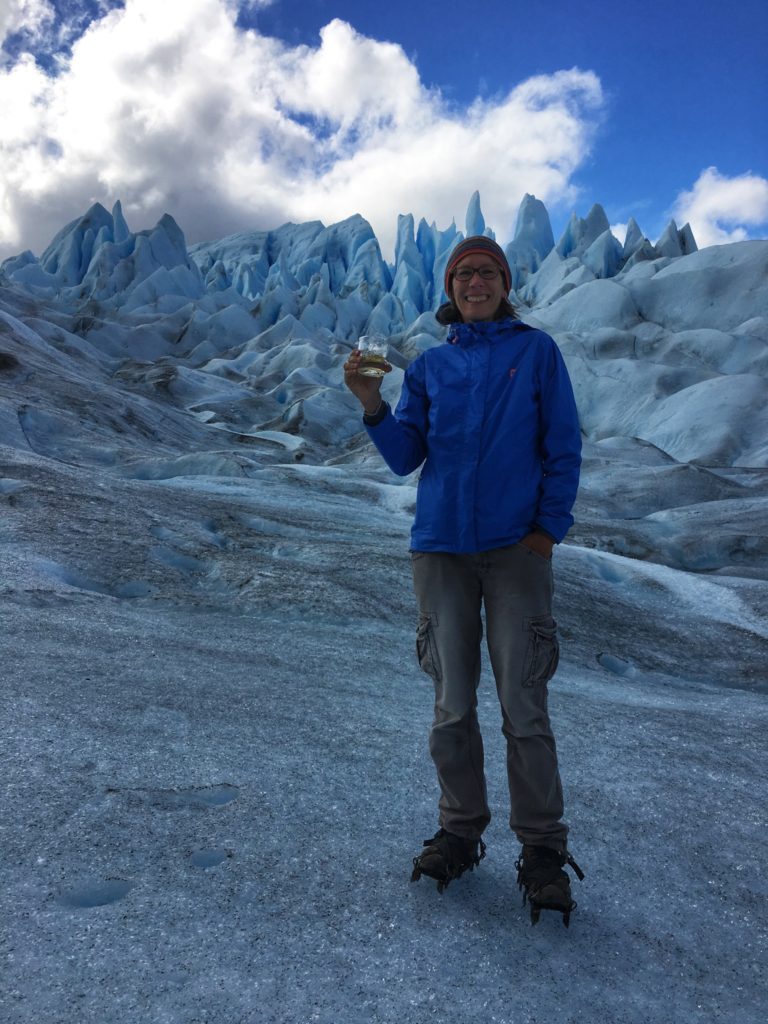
<point x="449" y="314"/>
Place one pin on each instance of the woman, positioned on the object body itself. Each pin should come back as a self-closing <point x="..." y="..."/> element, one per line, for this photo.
<point x="491" y="416"/>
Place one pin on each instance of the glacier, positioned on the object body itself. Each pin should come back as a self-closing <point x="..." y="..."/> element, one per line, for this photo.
<point x="215" y="758"/>
<point x="247" y="334"/>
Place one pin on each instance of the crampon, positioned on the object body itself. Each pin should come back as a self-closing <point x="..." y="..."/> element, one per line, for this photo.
<point x="544" y="883"/>
<point x="446" y="857"/>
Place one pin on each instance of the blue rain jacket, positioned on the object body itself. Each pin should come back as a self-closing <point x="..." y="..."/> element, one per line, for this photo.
<point x="492" y="416"/>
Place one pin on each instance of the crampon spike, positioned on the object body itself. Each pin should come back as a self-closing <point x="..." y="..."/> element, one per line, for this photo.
<point x="446" y="857"/>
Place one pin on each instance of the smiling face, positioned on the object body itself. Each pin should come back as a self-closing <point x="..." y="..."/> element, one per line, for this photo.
<point x="477" y="299"/>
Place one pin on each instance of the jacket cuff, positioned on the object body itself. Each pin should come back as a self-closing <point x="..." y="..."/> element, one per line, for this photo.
<point x="378" y="416"/>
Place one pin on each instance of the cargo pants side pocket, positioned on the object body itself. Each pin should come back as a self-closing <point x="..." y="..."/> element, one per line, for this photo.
<point x="543" y="651"/>
<point x="426" y="647"/>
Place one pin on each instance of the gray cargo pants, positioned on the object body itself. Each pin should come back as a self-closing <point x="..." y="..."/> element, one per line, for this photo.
<point x="515" y="586"/>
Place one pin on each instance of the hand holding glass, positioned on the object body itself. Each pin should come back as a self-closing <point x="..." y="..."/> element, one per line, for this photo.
<point x="374" y="356"/>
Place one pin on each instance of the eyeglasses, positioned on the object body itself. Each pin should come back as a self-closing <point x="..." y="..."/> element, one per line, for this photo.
<point x="467" y="273"/>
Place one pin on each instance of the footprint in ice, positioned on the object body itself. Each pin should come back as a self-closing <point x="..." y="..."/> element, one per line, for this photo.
<point x="210" y="858"/>
<point x="206" y="796"/>
<point x="97" y="892"/>
<point x="191" y="796"/>
<point x="619" y="666"/>
<point x="608" y="569"/>
<point x="9" y="486"/>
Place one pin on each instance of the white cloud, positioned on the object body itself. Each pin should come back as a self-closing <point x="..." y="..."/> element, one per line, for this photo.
<point x="251" y="5"/>
<point x="721" y="209"/>
<point x="30" y="15"/>
<point x="171" y="107"/>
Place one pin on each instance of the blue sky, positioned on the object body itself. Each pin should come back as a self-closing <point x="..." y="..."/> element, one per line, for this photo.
<point x="686" y="81"/>
<point x="233" y="116"/>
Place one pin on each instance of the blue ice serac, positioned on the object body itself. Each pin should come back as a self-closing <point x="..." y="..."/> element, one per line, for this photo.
<point x="250" y="332"/>
<point x="331" y="278"/>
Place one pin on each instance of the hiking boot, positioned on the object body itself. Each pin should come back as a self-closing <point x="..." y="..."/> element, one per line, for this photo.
<point x="546" y="886"/>
<point x="446" y="856"/>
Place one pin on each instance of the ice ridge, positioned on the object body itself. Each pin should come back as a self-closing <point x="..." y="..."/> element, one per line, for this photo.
<point x="332" y="277"/>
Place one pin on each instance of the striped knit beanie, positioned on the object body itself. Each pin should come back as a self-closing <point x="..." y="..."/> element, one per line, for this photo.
<point x="482" y="246"/>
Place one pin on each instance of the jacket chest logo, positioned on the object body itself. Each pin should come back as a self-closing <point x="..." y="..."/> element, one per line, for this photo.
<point x="512" y="371"/>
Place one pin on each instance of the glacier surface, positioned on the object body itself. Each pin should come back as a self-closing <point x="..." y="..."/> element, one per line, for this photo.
<point x="215" y="759"/>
